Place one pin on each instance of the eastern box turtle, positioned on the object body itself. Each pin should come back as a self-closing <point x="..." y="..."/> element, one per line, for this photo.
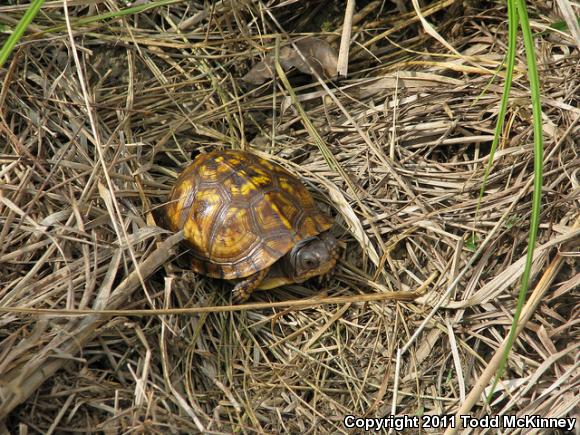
<point x="245" y="218"/>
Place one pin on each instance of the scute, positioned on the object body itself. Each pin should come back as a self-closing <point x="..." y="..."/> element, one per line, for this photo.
<point x="240" y="213"/>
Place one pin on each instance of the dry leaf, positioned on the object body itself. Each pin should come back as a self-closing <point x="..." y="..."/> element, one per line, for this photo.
<point x="319" y="54"/>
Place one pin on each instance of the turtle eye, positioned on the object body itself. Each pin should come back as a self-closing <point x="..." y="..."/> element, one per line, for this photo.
<point x="310" y="262"/>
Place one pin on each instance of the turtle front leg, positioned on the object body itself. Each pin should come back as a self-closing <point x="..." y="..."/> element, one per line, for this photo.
<point x="245" y="288"/>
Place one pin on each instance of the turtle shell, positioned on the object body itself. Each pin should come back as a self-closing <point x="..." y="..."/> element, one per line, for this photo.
<point x="240" y="213"/>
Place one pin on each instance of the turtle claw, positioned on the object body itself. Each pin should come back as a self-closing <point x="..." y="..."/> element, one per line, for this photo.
<point x="245" y="288"/>
<point x="239" y="295"/>
<point x="326" y="277"/>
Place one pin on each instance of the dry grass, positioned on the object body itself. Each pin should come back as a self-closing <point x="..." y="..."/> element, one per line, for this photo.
<point x="93" y="136"/>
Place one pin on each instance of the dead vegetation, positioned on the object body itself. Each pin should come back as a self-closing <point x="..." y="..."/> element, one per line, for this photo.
<point x="94" y="134"/>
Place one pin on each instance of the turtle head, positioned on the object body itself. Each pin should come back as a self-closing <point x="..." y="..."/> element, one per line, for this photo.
<point x="311" y="257"/>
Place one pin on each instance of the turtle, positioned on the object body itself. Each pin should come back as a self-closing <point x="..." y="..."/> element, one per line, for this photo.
<point x="249" y="220"/>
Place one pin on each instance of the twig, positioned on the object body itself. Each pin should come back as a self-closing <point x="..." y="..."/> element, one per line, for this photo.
<point x="300" y="303"/>
<point x="342" y="66"/>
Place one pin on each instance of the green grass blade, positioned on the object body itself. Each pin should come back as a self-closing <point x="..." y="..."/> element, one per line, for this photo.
<point x="510" y="58"/>
<point x="19" y="30"/>
<point x="536" y="197"/>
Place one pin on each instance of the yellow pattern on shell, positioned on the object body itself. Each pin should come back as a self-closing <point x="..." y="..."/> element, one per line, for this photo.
<point x="240" y="213"/>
